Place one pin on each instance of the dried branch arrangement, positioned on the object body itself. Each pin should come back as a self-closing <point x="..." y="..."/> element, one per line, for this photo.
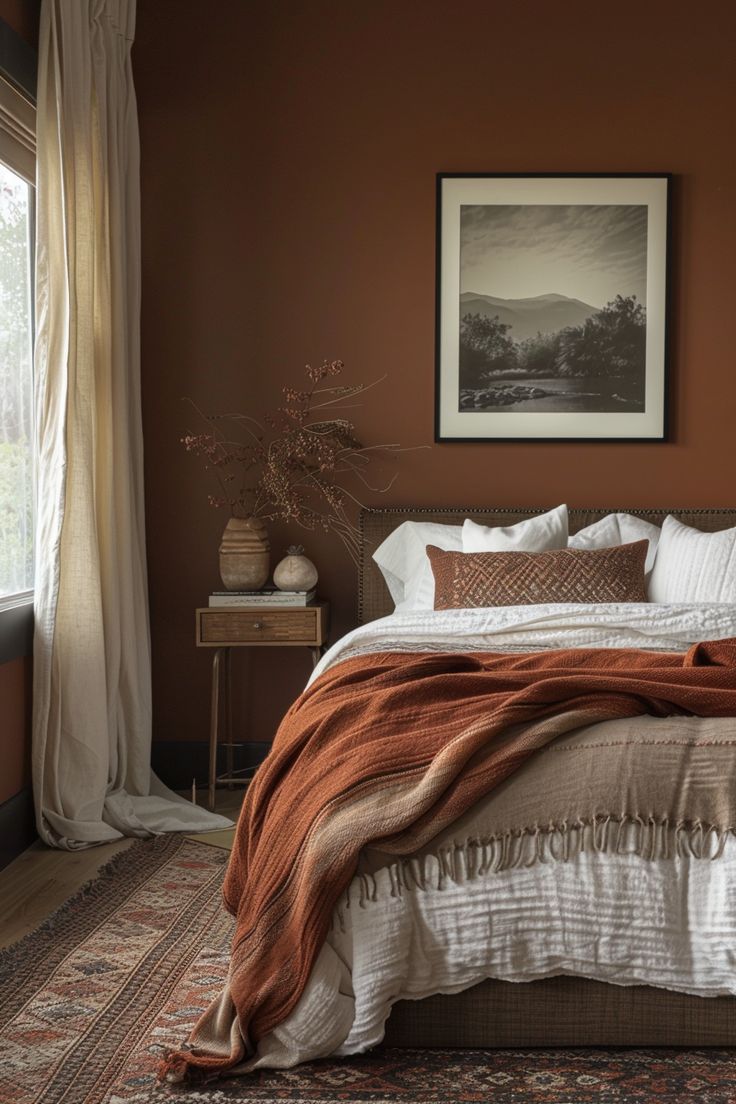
<point x="296" y="465"/>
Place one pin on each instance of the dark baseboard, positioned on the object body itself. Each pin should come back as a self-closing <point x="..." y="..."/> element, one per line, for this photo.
<point x="17" y="826"/>
<point x="177" y="762"/>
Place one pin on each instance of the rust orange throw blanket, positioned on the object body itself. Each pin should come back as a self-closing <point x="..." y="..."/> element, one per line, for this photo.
<point x="395" y="747"/>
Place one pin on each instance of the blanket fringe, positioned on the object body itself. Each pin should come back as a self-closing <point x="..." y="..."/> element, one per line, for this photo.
<point x="649" y="837"/>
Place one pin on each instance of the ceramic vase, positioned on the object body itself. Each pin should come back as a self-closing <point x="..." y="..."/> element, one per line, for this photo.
<point x="245" y="559"/>
<point x="295" y="571"/>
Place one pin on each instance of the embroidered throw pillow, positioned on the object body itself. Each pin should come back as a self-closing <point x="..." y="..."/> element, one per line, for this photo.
<point x="466" y="580"/>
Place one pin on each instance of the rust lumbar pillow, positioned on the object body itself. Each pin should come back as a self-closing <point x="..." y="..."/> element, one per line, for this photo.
<point x="466" y="580"/>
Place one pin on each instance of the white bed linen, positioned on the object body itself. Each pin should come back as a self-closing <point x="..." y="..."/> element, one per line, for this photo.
<point x="694" y="565"/>
<point x="617" y="918"/>
<point x="670" y="628"/>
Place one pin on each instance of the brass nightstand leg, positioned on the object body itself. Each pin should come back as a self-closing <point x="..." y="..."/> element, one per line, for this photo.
<point x="214" y="724"/>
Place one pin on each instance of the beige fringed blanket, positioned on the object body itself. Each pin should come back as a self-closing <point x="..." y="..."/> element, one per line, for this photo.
<point x="655" y="787"/>
<point x="396" y="747"/>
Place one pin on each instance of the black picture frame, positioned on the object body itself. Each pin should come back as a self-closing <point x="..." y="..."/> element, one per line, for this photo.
<point x="510" y="230"/>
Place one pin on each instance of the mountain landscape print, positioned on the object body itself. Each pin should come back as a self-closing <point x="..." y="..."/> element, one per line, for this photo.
<point x="528" y="317"/>
<point x="552" y="310"/>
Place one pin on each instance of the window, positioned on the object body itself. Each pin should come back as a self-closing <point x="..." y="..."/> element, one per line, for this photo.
<point x="17" y="169"/>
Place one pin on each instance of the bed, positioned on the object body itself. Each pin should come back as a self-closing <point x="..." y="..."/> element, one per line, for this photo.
<point x="559" y="1011"/>
<point x="388" y="760"/>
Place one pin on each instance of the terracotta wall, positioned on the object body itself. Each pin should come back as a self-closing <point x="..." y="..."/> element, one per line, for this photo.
<point x="22" y="16"/>
<point x="15" y="725"/>
<point x="288" y="171"/>
<point x="15" y="677"/>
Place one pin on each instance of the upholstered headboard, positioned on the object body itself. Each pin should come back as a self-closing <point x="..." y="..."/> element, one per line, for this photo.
<point x="375" y="525"/>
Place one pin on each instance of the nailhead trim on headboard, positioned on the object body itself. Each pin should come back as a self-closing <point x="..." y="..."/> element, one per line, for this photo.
<point x="376" y="524"/>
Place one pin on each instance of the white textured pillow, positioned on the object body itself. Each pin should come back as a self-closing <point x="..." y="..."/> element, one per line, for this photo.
<point x="692" y="566"/>
<point x="404" y="564"/>
<point x="615" y="529"/>
<point x="536" y="534"/>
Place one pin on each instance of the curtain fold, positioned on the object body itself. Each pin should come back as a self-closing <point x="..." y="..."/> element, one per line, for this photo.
<point x="92" y="681"/>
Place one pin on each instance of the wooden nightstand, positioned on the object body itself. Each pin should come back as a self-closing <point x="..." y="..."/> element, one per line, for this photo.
<point x="226" y="627"/>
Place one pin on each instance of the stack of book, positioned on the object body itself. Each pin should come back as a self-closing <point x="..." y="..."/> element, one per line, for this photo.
<point x="269" y="596"/>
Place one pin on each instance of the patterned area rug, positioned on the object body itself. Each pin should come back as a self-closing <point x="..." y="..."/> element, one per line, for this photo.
<point x="90" y="1001"/>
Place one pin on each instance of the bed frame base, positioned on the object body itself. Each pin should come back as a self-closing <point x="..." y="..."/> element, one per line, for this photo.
<point x="562" y="1012"/>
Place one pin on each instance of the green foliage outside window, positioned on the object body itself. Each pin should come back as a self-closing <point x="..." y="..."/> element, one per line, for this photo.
<point x="16" y="396"/>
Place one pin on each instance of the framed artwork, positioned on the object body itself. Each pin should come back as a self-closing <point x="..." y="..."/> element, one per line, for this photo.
<point x="552" y="307"/>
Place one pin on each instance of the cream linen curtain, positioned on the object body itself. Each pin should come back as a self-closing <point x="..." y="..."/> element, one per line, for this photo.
<point x="92" y="685"/>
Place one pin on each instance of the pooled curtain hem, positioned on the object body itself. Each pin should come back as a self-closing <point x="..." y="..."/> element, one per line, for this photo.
<point x="125" y="815"/>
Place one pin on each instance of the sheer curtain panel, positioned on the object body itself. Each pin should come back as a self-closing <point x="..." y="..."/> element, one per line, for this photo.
<point x="92" y="681"/>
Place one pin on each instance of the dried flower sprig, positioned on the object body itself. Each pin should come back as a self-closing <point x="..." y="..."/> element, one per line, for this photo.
<point x="297" y="464"/>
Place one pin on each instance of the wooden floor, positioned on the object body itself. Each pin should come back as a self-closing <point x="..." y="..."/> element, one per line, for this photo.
<point x="42" y="878"/>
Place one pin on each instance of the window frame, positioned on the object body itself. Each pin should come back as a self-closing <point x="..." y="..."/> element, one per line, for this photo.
<point x="18" y="69"/>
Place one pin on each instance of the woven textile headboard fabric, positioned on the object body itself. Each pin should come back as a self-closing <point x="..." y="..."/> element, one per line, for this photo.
<point x="375" y="525"/>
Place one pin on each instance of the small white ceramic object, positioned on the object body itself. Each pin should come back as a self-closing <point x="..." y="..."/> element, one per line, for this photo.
<point x="295" y="571"/>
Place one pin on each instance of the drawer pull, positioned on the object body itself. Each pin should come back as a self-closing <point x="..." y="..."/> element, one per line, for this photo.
<point x="257" y="624"/>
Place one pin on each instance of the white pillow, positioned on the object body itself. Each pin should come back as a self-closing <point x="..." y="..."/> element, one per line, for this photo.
<point x="536" y="534"/>
<point x="404" y="563"/>
<point x="615" y="529"/>
<point x="692" y="566"/>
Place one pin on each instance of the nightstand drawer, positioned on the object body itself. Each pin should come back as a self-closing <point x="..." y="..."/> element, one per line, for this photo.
<point x="268" y="626"/>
